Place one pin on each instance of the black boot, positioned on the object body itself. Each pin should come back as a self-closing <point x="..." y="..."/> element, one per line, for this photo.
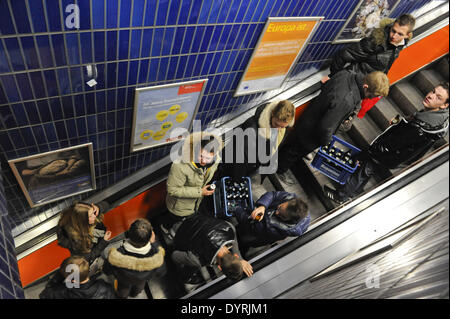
<point x="334" y="195"/>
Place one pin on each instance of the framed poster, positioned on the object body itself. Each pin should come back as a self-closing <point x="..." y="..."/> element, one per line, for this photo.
<point x="51" y="176"/>
<point x="278" y="47"/>
<point x="160" y="109"/>
<point x="365" y="17"/>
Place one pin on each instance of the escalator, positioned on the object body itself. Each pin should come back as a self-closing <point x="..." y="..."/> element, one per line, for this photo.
<point x="404" y="98"/>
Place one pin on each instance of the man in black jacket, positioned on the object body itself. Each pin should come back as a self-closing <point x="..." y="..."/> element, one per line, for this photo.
<point x="374" y="53"/>
<point x="202" y="241"/>
<point x="72" y="281"/>
<point x="133" y="263"/>
<point x="400" y="144"/>
<point x="378" y="51"/>
<point x="339" y="97"/>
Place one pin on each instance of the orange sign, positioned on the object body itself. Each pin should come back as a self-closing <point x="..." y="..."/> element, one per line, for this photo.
<point x="191" y="88"/>
<point x="277" y="50"/>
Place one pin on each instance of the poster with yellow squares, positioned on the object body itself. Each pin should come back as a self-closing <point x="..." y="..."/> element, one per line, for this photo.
<point x="158" y="110"/>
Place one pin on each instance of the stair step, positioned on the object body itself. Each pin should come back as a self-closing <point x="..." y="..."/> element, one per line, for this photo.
<point x="442" y="67"/>
<point x="363" y="132"/>
<point x="383" y="112"/>
<point x="344" y="136"/>
<point x="426" y="80"/>
<point x="407" y="97"/>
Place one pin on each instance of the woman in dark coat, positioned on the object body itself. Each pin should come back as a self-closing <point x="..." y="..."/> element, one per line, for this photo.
<point x="267" y="127"/>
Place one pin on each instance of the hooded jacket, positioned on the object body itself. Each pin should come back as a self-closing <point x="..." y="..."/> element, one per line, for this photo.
<point x="409" y="140"/>
<point x="271" y="228"/>
<point x="133" y="265"/>
<point x="186" y="179"/>
<point x="261" y="124"/>
<point x="204" y="236"/>
<point x="373" y="53"/>
<point x="93" y="289"/>
<point x="67" y="237"/>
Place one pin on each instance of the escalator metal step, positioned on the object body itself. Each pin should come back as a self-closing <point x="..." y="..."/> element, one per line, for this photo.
<point x="442" y="67"/>
<point x="426" y="80"/>
<point x="407" y="97"/>
<point x="383" y="112"/>
<point x="364" y="131"/>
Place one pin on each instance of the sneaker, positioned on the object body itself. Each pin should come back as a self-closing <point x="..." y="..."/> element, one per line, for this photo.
<point x="334" y="195"/>
<point x="195" y="281"/>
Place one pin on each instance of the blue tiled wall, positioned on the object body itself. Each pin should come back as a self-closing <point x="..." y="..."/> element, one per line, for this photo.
<point x="45" y="103"/>
<point x="10" y="286"/>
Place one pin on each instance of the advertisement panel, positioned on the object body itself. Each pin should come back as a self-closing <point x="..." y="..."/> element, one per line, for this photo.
<point x="366" y="17"/>
<point x="158" y="110"/>
<point x="54" y="175"/>
<point x="279" y="46"/>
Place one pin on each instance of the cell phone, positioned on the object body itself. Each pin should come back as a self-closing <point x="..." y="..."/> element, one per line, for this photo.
<point x="212" y="187"/>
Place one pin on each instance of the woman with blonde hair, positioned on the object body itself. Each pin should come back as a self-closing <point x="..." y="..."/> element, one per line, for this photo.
<point x="81" y="230"/>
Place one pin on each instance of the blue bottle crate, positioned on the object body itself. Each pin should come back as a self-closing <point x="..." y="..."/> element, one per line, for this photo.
<point x="333" y="168"/>
<point x="224" y="207"/>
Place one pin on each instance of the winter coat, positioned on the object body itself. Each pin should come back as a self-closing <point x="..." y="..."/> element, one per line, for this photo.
<point x="204" y="236"/>
<point x="186" y="180"/>
<point x="271" y="228"/>
<point x="408" y="141"/>
<point x="93" y="289"/>
<point x="260" y="123"/>
<point x="339" y="97"/>
<point x="67" y="237"/>
<point x="133" y="265"/>
<point x="373" y="53"/>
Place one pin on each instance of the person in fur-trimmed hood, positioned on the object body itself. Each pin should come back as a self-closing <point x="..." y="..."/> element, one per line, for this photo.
<point x="133" y="263"/>
<point x="189" y="177"/>
<point x="378" y="51"/>
<point x="276" y="115"/>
